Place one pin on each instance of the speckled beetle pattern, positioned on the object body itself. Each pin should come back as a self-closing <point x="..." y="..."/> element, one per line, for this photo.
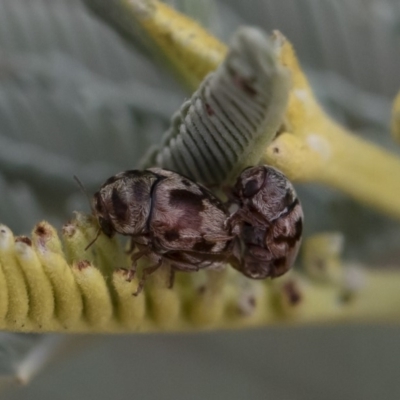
<point x="268" y="223"/>
<point x="169" y="218"/>
<point x="173" y="220"/>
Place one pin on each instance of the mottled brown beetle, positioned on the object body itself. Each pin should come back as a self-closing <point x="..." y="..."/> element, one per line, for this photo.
<point x="268" y="223"/>
<point x="169" y="218"/>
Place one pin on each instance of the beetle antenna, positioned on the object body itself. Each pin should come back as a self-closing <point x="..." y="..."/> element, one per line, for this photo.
<point x="94" y="240"/>
<point x="84" y="191"/>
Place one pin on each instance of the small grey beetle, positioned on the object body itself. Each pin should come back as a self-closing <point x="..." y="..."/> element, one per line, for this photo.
<point x="169" y="218"/>
<point x="267" y="224"/>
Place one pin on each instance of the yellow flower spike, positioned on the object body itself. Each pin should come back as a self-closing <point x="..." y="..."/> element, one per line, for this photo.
<point x="249" y="304"/>
<point x="41" y="299"/>
<point x="68" y="298"/>
<point x="233" y="301"/>
<point x="321" y="257"/>
<point x="395" y="125"/>
<point x="288" y="295"/>
<point x="75" y="242"/>
<point x="377" y="301"/>
<point x="165" y="304"/>
<point x="180" y="37"/>
<point x="179" y="41"/>
<point x="130" y="309"/>
<point x="210" y="299"/>
<point x="98" y="307"/>
<point x="18" y="304"/>
<point x="353" y="282"/>
<point x="292" y="156"/>
<point x="46" y="237"/>
<point x="109" y="254"/>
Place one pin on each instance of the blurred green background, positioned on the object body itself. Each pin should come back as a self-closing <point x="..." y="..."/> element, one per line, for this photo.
<point x="76" y="99"/>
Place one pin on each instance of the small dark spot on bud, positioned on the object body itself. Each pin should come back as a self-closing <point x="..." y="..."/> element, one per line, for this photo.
<point x="83" y="264"/>
<point x="275" y="150"/>
<point x="252" y="301"/>
<point x="346" y="297"/>
<point x="243" y="83"/>
<point x="41" y="230"/>
<point x="247" y="305"/>
<point x="68" y="229"/>
<point x="3" y="231"/>
<point x="202" y="289"/>
<point x="24" y="239"/>
<point x="209" y="110"/>
<point x="292" y="292"/>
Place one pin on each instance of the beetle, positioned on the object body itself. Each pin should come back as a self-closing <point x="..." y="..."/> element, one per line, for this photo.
<point x="267" y="223"/>
<point x="170" y="219"/>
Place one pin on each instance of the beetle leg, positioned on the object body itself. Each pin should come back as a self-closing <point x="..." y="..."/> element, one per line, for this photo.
<point x="135" y="257"/>
<point x="184" y="266"/>
<point x="146" y="272"/>
<point x="171" y="278"/>
<point x="132" y="246"/>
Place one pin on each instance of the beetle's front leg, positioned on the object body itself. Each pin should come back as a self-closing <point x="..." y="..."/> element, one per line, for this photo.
<point x="146" y="272"/>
